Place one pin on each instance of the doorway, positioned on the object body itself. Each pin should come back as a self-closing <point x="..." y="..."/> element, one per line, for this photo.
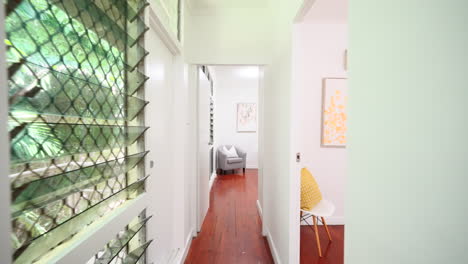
<point x="229" y="189"/>
<point x="319" y="57"/>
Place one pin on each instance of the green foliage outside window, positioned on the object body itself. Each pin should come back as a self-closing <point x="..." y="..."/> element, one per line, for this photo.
<point x="73" y="80"/>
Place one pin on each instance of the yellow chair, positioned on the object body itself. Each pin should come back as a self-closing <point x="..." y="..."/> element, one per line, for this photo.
<point x="313" y="205"/>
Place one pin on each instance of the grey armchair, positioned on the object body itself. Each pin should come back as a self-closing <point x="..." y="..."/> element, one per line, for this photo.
<point x="224" y="163"/>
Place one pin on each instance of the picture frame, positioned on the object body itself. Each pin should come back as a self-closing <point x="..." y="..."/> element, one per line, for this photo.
<point x="247" y="117"/>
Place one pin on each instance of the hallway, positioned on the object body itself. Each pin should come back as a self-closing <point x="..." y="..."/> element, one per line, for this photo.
<point x="231" y="232"/>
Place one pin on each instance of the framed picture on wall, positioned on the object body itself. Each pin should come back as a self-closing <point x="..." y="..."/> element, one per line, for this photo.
<point x="334" y="115"/>
<point x="246" y="117"/>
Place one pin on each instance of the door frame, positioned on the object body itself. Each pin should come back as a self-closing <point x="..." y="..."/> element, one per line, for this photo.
<point x="193" y="107"/>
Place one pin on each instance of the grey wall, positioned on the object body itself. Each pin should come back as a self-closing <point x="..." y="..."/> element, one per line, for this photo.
<point x="408" y="144"/>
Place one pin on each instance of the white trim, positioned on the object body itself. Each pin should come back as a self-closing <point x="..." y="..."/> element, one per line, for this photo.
<point x="303" y="10"/>
<point x="192" y="82"/>
<point x="259" y="209"/>
<point x="86" y="243"/>
<point x="294" y="208"/>
<point x="188" y="243"/>
<point x="5" y="245"/>
<point x="212" y="180"/>
<point x="167" y="37"/>
<point x="261" y="140"/>
<point x="274" y="251"/>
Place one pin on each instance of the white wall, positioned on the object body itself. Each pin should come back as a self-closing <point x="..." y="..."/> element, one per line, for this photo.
<point x="159" y="139"/>
<point x="318" y="52"/>
<point x="191" y="168"/>
<point x="228" y="36"/>
<point x="281" y="188"/>
<point x="407" y="196"/>
<point x="182" y="161"/>
<point x="233" y="85"/>
<point x="167" y="116"/>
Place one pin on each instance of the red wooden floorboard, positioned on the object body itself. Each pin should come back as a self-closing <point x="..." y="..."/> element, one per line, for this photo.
<point x="232" y="231"/>
<point x="332" y="252"/>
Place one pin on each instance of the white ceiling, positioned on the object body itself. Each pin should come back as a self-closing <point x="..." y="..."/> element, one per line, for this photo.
<point x="228" y="3"/>
<point x="328" y="11"/>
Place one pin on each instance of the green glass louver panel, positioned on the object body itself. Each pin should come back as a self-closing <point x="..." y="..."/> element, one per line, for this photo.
<point x="60" y="94"/>
<point x="102" y="19"/>
<point x="24" y="173"/>
<point x="136" y="80"/>
<point x="31" y="224"/>
<point x="105" y="109"/>
<point x="115" y="246"/>
<point x="58" y="79"/>
<point x="34" y="249"/>
<point x="136" y="58"/>
<point x="135" y="106"/>
<point x="134" y="256"/>
<point x="39" y="193"/>
<point x="137" y="26"/>
<point x="134" y="13"/>
<point x="73" y="68"/>
<point x="95" y="61"/>
<point x="48" y="140"/>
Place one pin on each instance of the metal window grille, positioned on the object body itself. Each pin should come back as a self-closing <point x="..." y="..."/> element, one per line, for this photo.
<point x="128" y="246"/>
<point x="75" y="115"/>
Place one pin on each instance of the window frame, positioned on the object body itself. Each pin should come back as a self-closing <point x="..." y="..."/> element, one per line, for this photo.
<point x="5" y="228"/>
<point x="82" y="246"/>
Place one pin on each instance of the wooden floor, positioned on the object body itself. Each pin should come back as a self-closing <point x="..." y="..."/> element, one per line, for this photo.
<point x="332" y="252"/>
<point x="231" y="232"/>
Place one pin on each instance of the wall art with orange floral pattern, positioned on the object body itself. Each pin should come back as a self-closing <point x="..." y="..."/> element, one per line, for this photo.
<point x="334" y="115"/>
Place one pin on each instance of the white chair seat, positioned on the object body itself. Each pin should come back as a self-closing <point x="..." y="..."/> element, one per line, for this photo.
<point x="324" y="208"/>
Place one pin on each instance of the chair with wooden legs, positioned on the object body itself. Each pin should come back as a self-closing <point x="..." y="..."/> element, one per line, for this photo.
<point x="314" y="206"/>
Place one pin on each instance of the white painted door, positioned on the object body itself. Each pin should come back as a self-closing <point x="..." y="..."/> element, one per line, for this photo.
<point x="159" y="140"/>
<point x="203" y="146"/>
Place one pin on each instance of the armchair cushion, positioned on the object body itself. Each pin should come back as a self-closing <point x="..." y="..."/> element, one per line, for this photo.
<point x="231" y="152"/>
<point x="234" y="160"/>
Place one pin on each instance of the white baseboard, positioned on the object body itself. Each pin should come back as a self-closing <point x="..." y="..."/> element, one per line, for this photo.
<point x="274" y="251"/>
<point x="213" y="178"/>
<point x="333" y="220"/>
<point x="259" y="209"/>
<point x="188" y="243"/>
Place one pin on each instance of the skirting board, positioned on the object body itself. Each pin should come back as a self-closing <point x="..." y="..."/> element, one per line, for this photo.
<point x="274" y="251"/>
<point x="184" y="254"/>
<point x="213" y="178"/>
<point x="259" y="209"/>
<point x="334" y="220"/>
